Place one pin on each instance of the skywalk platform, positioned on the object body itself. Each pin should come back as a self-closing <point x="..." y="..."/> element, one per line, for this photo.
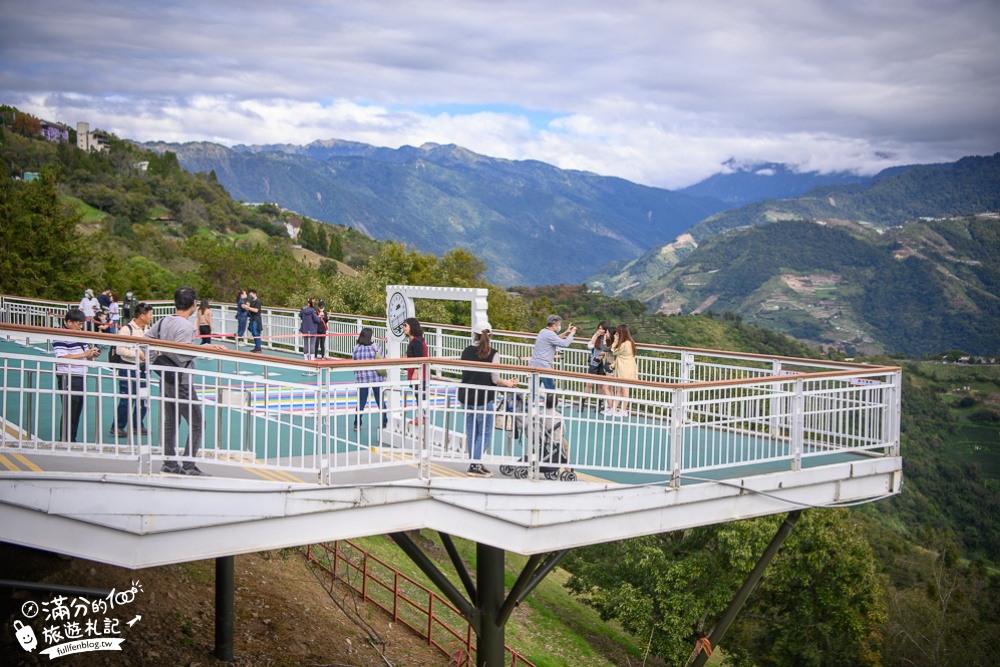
<point x="709" y="437"/>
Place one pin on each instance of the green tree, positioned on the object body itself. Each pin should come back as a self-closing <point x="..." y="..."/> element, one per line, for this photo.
<point x="41" y="252"/>
<point x="819" y="604"/>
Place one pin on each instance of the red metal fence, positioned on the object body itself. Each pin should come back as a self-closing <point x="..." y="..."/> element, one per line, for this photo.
<point x="407" y="601"/>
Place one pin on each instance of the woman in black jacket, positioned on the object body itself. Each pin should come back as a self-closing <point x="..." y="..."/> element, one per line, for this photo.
<point x="479" y="402"/>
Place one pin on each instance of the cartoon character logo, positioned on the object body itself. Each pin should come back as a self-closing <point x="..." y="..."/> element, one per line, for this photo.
<point x="25" y="636"/>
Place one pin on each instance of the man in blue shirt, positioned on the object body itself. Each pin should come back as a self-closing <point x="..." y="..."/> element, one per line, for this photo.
<point x="547" y="343"/>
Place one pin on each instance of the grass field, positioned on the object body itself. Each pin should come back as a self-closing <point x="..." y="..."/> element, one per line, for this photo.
<point x="552" y="628"/>
<point x="974" y="443"/>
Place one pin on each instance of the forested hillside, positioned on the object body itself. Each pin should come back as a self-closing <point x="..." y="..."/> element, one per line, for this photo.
<point x="971" y="185"/>
<point x="907" y="263"/>
<point x="923" y="287"/>
<point x="530" y="222"/>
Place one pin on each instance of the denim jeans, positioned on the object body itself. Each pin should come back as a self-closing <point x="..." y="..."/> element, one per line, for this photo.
<point x="478" y="429"/>
<point x="255" y="332"/>
<point x="128" y="391"/>
<point x="241" y="327"/>
<point x="363" y="403"/>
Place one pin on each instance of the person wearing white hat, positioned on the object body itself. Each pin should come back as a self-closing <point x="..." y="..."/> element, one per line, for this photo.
<point x="478" y="401"/>
<point x="89" y="305"/>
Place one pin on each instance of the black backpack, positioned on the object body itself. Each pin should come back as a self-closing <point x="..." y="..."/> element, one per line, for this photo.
<point x="113" y="355"/>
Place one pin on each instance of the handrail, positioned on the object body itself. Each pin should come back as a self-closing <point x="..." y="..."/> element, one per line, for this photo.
<point x="694" y="414"/>
<point x="400" y="600"/>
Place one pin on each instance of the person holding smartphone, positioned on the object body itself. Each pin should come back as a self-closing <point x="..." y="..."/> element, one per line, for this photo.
<point x="547" y="343"/>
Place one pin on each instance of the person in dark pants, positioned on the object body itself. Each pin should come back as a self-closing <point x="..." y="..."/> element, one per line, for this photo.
<point x="179" y="399"/>
<point x="256" y="321"/>
<point x="323" y="329"/>
<point x="204" y="320"/>
<point x="242" y="314"/>
<point x="129" y="381"/>
<point x="71" y="378"/>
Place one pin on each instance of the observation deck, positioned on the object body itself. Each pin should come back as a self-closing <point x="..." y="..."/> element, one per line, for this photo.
<point x="709" y="437"/>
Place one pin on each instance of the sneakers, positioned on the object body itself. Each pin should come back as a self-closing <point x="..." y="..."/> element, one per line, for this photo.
<point x="118" y="433"/>
<point x="257" y="351"/>
<point x="479" y="470"/>
<point x="191" y="469"/>
<point x="140" y="431"/>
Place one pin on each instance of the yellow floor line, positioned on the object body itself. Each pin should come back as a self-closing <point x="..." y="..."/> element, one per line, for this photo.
<point x="4" y="461"/>
<point x="266" y="474"/>
<point x="23" y="459"/>
<point x="286" y="476"/>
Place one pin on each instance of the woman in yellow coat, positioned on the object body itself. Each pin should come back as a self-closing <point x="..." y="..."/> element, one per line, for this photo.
<point x="623" y="351"/>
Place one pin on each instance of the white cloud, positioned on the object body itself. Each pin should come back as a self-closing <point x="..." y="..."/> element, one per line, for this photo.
<point x="657" y="92"/>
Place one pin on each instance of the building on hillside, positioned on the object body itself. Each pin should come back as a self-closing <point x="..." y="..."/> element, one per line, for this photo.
<point x="293" y="227"/>
<point x="91" y="141"/>
<point x="54" y="131"/>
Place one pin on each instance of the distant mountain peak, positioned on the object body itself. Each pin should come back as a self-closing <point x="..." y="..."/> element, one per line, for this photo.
<point x="742" y="182"/>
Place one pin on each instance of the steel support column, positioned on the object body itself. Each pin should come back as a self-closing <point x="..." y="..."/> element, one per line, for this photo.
<point x="225" y="568"/>
<point x="719" y="631"/>
<point x="489" y="580"/>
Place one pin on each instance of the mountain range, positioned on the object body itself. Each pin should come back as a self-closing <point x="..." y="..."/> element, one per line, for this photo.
<point x="531" y="222"/>
<point x="910" y="263"/>
<point x="740" y="183"/>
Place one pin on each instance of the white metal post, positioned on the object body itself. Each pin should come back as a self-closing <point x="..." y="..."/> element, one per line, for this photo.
<point x="798" y="419"/>
<point x="676" y="437"/>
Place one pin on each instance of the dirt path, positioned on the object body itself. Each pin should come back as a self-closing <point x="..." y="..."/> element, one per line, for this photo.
<point x="284" y="615"/>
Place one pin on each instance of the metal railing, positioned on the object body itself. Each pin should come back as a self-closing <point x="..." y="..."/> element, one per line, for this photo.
<point x="420" y="609"/>
<point x="690" y="412"/>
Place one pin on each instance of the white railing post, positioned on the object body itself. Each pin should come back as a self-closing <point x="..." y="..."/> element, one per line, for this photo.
<point x="676" y="437"/>
<point x="798" y="423"/>
<point x="687" y="367"/>
<point x="891" y="413"/>
<point x="142" y="390"/>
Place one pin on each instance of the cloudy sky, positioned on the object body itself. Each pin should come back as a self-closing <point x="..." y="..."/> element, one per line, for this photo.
<point x="661" y="92"/>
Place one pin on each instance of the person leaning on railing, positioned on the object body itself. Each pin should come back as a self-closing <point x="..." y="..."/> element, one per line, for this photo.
<point x="70" y="378"/>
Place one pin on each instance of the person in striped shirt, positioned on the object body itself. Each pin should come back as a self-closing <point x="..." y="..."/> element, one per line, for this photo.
<point x="70" y="377"/>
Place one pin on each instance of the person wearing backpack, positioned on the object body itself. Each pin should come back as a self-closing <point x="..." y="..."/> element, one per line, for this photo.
<point x="176" y="387"/>
<point x="129" y="380"/>
<point x="128" y="305"/>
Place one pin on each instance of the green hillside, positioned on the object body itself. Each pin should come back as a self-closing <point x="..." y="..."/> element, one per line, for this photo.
<point x="907" y="263"/>
<point x="920" y="288"/>
<point x="531" y="222"/>
<point x="966" y="187"/>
